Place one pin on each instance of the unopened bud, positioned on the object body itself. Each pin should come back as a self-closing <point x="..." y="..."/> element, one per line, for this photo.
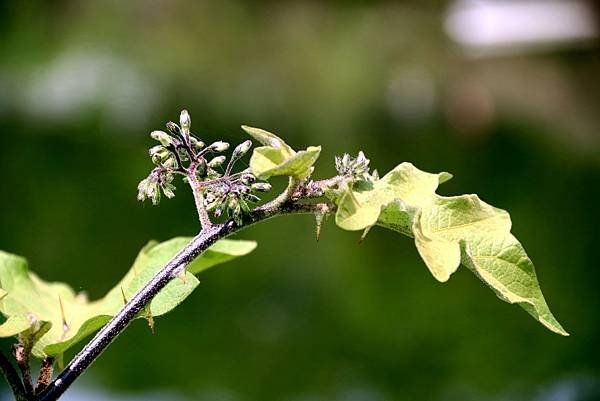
<point x="196" y="143"/>
<point x="170" y="163"/>
<point x="219" y="146"/>
<point x="248" y="179"/>
<point x="242" y="149"/>
<point x="185" y="121"/>
<point x="261" y="186"/>
<point x="168" y="190"/>
<point x="216" y="162"/>
<point x="161" y="136"/>
<point x="173" y="128"/>
<point x="156" y="149"/>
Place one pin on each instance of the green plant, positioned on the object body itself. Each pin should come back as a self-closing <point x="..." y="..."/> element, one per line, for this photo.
<point x="49" y="318"/>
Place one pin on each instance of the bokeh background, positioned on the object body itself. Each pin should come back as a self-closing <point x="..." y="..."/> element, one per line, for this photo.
<point x="504" y="94"/>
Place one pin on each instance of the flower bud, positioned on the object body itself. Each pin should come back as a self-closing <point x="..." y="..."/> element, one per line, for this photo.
<point x="219" y="146"/>
<point x="216" y="162"/>
<point x="242" y="149"/>
<point x="197" y="144"/>
<point x="168" y="190"/>
<point x="173" y="128"/>
<point x="248" y="179"/>
<point x="211" y="206"/>
<point x="156" y="149"/>
<point x="170" y="163"/>
<point x="261" y="186"/>
<point x="164" y="138"/>
<point x="185" y="121"/>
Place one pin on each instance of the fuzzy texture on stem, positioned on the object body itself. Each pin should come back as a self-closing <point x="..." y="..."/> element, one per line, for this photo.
<point x="12" y="378"/>
<point x="22" y="352"/>
<point x="199" y="200"/>
<point x="45" y="374"/>
<point x="208" y="236"/>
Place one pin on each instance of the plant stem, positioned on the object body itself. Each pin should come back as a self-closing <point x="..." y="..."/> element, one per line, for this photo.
<point x="12" y="378"/>
<point x="199" y="200"/>
<point x="22" y="352"/>
<point x="45" y="374"/>
<point x="209" y="235"/>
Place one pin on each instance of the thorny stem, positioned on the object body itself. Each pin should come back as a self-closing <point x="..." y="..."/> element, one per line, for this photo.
<point x="209" y="235"/>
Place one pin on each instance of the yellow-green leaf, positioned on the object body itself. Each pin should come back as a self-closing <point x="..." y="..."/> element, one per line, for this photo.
<point x="278" y="158"/>
<point x="30" y="302"/>
<point x="448" y="231"/>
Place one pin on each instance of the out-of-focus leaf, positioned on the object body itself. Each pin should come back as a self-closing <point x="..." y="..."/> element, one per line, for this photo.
<point x="31" y="304"/>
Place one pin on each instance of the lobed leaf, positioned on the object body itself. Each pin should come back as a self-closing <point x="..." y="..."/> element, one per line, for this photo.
<point x="448" y="231"/>
<point x="33" y="306"/>
<point x="278" y="158"/>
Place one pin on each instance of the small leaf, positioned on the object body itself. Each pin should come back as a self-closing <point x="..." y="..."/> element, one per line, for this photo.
<point x="268" y="139"/>
<point x="278" y="158"/>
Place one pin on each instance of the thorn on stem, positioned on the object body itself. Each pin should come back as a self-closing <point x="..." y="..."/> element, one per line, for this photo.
<point x="123" y="295"/>
<point x="65" y="326"/>
<point x="364" y="235"/>
<point x="150" y="319"/>
<point x="319" y="217"/>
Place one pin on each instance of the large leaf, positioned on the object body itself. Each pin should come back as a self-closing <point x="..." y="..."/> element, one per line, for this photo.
<point x="449" y="231"/>
<point x="31" y="304"/>
<point x="278" y="158"/>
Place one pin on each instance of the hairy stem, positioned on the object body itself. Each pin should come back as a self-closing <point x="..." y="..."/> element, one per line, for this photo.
<point x="12" y="378"/>
<point x="45" y="374"/>
<point x="199" y="200"/>
<point x="208" y="236"/>
<point x="286" y="195"/>
<point x="22" y="352"/>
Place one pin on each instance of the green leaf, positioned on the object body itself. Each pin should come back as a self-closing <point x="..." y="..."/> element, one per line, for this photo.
<point x="268" y="139"/>
<point x="449" y="231"/>
<point x="30" y="303"/>
<point x="466" y="229"/>
<point x="361" y="204"/>
<point x="358" y="207"/>
<point x="221" y="252"/>
<point x="278" y="158"/>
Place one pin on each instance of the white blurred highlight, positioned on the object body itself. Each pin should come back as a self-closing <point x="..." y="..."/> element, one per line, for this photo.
<point x="495" y="26"/>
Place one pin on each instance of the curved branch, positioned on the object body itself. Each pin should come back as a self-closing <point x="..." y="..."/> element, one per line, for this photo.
<point x="207" y="237"/>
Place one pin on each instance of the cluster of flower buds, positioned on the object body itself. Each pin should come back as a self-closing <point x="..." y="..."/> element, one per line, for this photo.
<point x="234" y="195"/>
<point x="355" y="168"/>
<point x="151" y="187"/>
<point x="180" y="152"/>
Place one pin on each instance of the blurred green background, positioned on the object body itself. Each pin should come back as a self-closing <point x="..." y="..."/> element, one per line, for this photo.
<point x="82" y="83"/>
